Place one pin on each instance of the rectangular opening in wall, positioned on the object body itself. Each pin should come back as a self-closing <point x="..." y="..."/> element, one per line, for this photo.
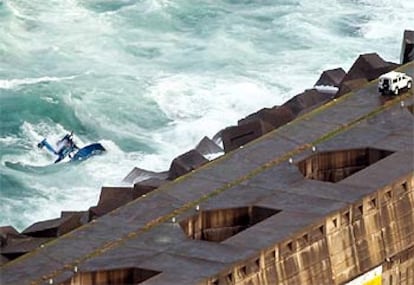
<point x="346" y="218"/>
<point x="257" y="262"/>
<point x="243" y="271"/>
<point x="373" y="203"/>
<point x="220" y="224"/>
<point x="229" y="278"/>
<point x="388" y="195"/>
<point x="289" y="246"/>
<point x="112" y="276"/>
<point x="322" y="230"/>
<point x="334" y="166"/>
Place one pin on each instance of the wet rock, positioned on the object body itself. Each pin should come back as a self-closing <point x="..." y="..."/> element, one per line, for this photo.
<point x="407" y="49"/>
<point x="185" y="163"/>
<point x="331" y="77"/>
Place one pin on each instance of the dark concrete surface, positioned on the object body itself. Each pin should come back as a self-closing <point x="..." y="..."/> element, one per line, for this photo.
<point x="143" y="234"/>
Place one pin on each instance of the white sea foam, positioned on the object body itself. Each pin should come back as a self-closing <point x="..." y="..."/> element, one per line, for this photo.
<point x="13" y="83"/>
<point x="9" y="140"/>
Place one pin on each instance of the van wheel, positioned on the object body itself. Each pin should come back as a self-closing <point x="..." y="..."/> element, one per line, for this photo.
<point x="409" y="85"/>
<point x="396" y="91"/>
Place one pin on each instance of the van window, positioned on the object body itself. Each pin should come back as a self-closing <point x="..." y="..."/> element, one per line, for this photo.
<point x="394" y="81"/>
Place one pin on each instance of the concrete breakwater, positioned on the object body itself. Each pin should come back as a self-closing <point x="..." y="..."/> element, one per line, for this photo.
<point x="314" y="201"/>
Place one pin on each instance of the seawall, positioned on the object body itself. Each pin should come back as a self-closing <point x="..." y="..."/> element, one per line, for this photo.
<point x="321" y="199"/>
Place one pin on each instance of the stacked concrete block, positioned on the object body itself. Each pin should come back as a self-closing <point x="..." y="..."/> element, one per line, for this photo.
<point x="148" y="185"/>
<point x="367" y="67"/>
<point x="138" y="174"/>
<point x="407" y="49"/>
<point x="6" y="233"/>
<point x="265" y="120"/>
<point x="185" y="163"/>
<point x="208" y="147"/>
<point x="351" y="85"/>
<point x="112" y="198"/>
<point x="54" y="227"/>
<point x="306" y="99"/>
<point x="331" y="77"/>
<point x="236" y="136"/>
<point x="275" y="117"/>
<point x="20" y="245"/>
<point x="83" y="216"/>
<point x="3" y="260"/>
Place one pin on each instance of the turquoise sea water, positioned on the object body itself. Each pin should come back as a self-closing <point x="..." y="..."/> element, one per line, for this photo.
<point x="148" y="79"/>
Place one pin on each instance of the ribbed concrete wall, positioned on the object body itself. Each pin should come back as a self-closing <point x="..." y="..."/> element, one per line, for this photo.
<point x="399" y="269"/>
<point x="377" y="230"/>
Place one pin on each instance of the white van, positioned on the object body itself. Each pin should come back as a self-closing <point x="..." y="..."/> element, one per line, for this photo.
<point x="393" y="82"/>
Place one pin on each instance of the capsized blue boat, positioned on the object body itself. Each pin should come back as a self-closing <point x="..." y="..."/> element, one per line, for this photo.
<point x="68" y="150"/>
<point x="88" y="151"/>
